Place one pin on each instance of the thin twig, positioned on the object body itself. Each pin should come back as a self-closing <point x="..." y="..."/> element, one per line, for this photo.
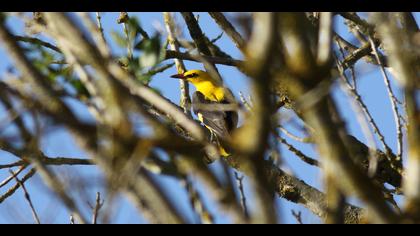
<point x="27" y="196"/>
<point x="53" y="182"/>
<point x="239" y="181"/>
<point x="299" y="139"/>
<point x="123" y="18"/>
<point x="15" y="187"/>
<point x="355" y="55"/>
<point x="196" y="33"/>
<point x="246" y="103"/>
<point x="72" y="221"/>
<point x="362" y="114"/>
<point x="98" y="21"/>
<point x="394" y="102"/>
<point x="230" y="30"/>
<point x="367" y="29"/>
<point x="97" y="32"/>
<point x="185" y="100"/>
<point x="352" y="90"/>
<point x="8" y="179"/>
<point x="52" y="161"/>
<point x="363" y="25"/>
<point x="298" y="216"/>
<point x="213" y="41"/>
<point x="36" y="41"/>
<point x="360" y="111"/>
<point x="17" y="163"/>
<point x="160" y="69"/>
<point x="298" y="153"/>
<point x="353" y="77"/>
<point x="98" y="206"/>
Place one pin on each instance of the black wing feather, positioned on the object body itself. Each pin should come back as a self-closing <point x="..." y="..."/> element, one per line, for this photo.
<point x="221" y="122"/>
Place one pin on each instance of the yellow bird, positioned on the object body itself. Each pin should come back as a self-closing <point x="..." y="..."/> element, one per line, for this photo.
<point x="209" y="91"/>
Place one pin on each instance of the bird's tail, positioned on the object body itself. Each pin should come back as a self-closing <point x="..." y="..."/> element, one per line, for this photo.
<point x="223" y="152"/>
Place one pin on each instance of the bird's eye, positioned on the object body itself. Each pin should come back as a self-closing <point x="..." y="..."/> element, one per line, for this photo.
<point x="191" y="75"/>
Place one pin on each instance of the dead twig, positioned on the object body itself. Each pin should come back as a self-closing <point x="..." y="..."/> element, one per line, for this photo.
<point x="27" y="197"/>
<point x="239" y="181"/>
<point x="298" y="216"/>
<point x="15" y="187"/>
<point x="98" y="206"/>
<point x="394" y="103"/>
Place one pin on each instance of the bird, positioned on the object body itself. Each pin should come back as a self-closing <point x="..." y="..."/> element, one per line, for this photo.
<point x="209" y="91"/>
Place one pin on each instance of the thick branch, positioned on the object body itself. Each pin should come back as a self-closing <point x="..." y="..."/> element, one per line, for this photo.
<point x="185" y="100"/>
<point x="215" y="60"/>
<point x="233" y="34"/>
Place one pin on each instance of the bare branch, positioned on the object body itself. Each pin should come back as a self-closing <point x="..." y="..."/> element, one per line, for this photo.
<point x="298" y="216"/>
<point x="185" y="101"/>
<point x="216" y="60"/>
<point x="27" y="197"/>
<point x="230" y="30"/>
<point x="298" y="153"/>
<point x="405" y="63"/>
<point x="239" y="181"/>
<point x="262" y="44"/>
<point x="98" y="206"/>
<point x="15" y="187"/>
<point x="325" y="39"/>
<point x="36" y="41"/>
<point x="331" y="136"/>
<point x="394" y="102"/>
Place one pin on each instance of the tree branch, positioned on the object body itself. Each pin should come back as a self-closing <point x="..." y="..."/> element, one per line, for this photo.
<point x="215" y="60"/>
<point x="227" y="27"/>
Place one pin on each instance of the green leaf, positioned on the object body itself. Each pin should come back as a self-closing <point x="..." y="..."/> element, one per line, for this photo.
<point x="159" y="69"/>
<point x="136" y="29"/>
<point x="133" y="64"/>
<point x="145" y="79"/>
<point x="47" y="57"/>
<point x="149" y="44"/>
<point x="79" y="87"/>
<point x="67" y="71"/>
<point x="151" y="49"/>
<point x="140" y="44"/>
<point x="148" y="59"/>
<point x="133" y="27"/>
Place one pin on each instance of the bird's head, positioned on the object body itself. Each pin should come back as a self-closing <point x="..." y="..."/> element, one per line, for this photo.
<point x="194" y="76"/>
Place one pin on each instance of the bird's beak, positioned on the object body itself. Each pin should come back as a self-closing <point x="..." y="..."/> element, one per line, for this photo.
<point x="178" y="76"/>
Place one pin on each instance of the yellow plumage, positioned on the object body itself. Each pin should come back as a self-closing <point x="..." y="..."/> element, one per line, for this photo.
<point x="209" y="91"/>
<point x="204" y="83"/>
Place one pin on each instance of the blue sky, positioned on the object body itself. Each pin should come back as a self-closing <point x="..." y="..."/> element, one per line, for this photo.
<point x="60" y="143"/>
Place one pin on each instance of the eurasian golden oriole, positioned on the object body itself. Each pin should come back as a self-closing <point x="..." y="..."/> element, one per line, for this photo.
<point x="210" y="91"/>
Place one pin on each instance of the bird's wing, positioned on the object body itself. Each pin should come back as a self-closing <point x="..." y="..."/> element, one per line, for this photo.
<point x="218" y="121"/>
